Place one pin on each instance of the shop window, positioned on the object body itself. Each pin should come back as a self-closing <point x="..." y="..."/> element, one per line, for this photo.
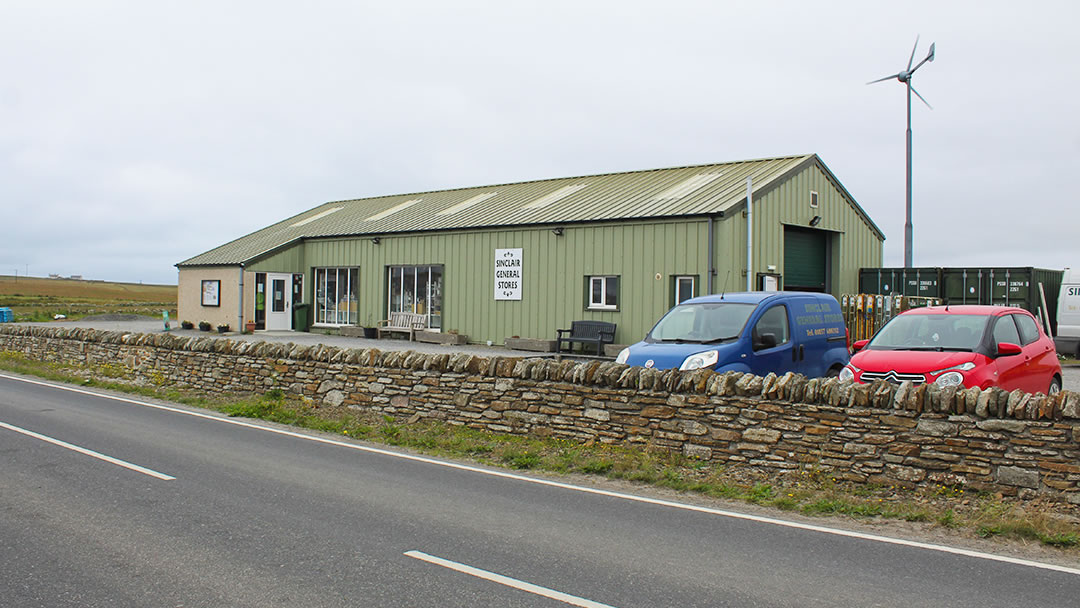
<point x="416" y="289"/>
<point x="336" y="296"/>
<point x="602" y="293"/>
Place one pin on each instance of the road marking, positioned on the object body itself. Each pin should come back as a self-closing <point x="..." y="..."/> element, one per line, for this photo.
<point x="99" y="456"/>
<point x="573" y="600"/>
<point x="583" y="489"/>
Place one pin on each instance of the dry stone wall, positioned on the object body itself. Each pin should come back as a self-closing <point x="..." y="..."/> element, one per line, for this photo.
<point x="1013" y="443"/>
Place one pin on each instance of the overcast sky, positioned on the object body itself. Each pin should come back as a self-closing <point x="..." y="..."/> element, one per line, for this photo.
<point x="134" y="135"/>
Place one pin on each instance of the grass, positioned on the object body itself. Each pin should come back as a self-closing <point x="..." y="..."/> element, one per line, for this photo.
<point x="34" y="299"/>
<point x="808" y="492"/>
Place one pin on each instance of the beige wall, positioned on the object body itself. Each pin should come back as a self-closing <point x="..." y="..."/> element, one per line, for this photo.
<point x="227" y="312"/>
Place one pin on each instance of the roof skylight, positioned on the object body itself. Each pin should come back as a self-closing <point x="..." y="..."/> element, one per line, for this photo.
<point x="463" y="205"/>
<point x="688" y="185"/>
<point x="392" y="210"/>
<point x="555" y="196"/>
<point x="316" y="217"/>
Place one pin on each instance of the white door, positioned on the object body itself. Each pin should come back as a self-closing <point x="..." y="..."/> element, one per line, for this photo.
<point x="279" y="311"/>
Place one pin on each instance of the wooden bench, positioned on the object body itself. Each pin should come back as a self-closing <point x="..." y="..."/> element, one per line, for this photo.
<point x="402" y="322"/>
<point x="597" y="333"/>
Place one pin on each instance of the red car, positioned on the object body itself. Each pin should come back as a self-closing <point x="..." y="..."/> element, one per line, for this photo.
<point x="979" y="346"/>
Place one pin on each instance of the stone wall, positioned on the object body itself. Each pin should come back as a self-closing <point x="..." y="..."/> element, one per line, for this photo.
<point x="1013" y="443"/>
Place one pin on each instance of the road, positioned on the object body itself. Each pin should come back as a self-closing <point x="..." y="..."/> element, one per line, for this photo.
<point x="198" y="510"/>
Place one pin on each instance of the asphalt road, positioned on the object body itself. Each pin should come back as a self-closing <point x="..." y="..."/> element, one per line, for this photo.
<point x="227" y="512"/>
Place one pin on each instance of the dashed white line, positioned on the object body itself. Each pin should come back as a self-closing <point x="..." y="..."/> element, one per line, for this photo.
<point x="81" y="450"/>
<point x="573" y="600"/>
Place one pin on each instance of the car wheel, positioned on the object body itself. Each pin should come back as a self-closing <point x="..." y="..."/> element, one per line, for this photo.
<point x="1055" y="386"/>
<point x="833" y="372"/>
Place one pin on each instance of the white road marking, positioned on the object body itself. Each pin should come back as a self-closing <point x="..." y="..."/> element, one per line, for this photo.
<point x="99" y="456"/>
<point x="573" y="600"/>
<point x="566" y="486"/>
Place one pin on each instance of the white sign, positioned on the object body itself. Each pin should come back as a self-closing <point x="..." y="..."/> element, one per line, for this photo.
<point x="508" y="274"/>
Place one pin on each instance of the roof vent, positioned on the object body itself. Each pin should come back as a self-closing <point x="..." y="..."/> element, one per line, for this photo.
<point x="687" y="186"/>
<point x="316" y="217"/>
<point x="393" y="210"/>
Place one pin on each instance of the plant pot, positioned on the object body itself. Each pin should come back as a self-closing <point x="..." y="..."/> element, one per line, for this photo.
<point x="250" y="326"/>
<point x="369" y="332"/>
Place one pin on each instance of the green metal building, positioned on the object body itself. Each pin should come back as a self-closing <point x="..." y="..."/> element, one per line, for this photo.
<point x="524" y="259"/>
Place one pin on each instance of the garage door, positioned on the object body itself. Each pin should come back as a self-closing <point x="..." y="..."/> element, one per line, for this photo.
<point x="804" y="259"/>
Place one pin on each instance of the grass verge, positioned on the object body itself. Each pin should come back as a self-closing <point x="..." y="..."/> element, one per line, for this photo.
<point x="808" y="492"/>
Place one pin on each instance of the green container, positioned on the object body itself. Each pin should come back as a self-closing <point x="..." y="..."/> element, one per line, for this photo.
<point x="301" y="315"/>
<point x="1006" y="286"/>
<point x="918" y="282"/>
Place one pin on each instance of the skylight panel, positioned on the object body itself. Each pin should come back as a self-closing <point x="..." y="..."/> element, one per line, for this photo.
<point x="393" y="210"/>
<point x="555" y="196"/>
<point x="687" y="186"/>
<point x="316" y="217"/>
<point x="463" y="205"/>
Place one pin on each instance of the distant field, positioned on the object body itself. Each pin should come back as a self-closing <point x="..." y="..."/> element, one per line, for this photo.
<point x="36" y="299"/>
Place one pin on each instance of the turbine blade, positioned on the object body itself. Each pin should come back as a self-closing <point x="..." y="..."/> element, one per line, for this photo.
<point x="921" y="97"/>
<point x="909" y="61"/>
<point x="883" y="79"/>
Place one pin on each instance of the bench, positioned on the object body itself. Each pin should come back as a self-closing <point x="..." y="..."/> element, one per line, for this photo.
<point x="597" y="333"/>
<point x="402" y="322"/>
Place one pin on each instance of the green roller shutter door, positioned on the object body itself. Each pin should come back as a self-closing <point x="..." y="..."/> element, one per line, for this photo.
<point x="804" y="260"/>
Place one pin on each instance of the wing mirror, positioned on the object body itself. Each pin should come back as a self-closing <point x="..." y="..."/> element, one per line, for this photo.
<point x="859" y="345"/>
<point x="765" y="341"/>
<point x="1008" y="348"/>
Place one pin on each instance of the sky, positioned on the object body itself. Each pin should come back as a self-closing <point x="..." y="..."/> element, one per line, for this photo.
<point x="135" y="135"/>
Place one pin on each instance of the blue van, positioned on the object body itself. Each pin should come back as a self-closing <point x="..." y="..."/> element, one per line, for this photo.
<point x="757" y="332"/>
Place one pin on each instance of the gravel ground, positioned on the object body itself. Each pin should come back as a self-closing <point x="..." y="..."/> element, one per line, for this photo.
<point x="135" y="323"/>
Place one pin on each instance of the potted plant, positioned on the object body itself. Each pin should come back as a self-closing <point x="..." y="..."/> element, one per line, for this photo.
<point x="224" y="328"/>
<point x="187" y="325"/>
<point x="204" y="325"/>
<point x="369" y="329"/>
<point x="249" y="327"/>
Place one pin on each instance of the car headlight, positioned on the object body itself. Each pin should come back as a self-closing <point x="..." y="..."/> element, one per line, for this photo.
<point x="699" y="360"/>
<point x="848" y="373"/>
<point x="624" y="354"/>
<point x="963" y="367"/>
<point x="950" y="379"/>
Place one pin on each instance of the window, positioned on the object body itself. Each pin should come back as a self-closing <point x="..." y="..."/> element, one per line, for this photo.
<point x="1029" y="332"/>
<point x="1005" y="331"/>
<point x="603" y="293"/>
<point x="684" y="288"/>
<point x="335" y="296"/>
<point x="775" y="322"/>
<point x="416" y="289"/>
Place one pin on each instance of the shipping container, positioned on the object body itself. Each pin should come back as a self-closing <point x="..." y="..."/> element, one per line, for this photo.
<point x="1007" y="286"/>
<point x="916" y="282"/>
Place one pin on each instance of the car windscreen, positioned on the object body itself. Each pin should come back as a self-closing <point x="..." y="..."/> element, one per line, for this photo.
<point x="931" y="332"/>
<point x="702" y="322"/>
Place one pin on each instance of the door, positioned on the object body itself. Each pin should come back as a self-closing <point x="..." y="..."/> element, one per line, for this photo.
<point x="805" y="260"/>
<point x="279" y="312"/>
<point x="778" y="353"/>
<point x="1011" y="369"/>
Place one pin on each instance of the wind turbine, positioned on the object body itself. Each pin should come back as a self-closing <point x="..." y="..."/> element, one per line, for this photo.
<point x="905" y="77"/>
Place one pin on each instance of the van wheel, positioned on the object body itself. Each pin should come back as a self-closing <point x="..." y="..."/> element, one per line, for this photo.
<point x="1055" y="386"/>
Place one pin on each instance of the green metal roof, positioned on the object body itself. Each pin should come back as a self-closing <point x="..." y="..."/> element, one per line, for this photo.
<point x="657" y="193"/>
